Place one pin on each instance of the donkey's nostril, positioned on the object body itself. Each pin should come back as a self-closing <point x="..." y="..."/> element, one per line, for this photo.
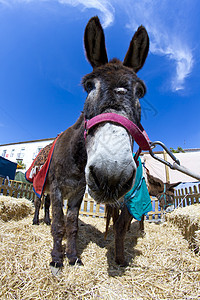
<point x="94" y="176"/>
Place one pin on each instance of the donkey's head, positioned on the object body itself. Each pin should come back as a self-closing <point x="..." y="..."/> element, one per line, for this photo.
<point x="112" y="87"/>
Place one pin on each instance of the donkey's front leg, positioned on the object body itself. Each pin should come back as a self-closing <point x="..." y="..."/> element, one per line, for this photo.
<point x="120" y="229"/>
<point x="72" y="229"/>
<point x="57" y="229"/>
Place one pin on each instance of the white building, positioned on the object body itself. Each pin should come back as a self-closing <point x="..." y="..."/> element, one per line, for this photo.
<point x="24" y="152"/>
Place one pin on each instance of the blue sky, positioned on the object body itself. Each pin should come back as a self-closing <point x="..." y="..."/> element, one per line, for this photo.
<point x="42" y="62"/>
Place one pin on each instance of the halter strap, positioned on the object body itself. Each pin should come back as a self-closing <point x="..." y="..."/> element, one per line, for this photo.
<point x="137" y="132"/>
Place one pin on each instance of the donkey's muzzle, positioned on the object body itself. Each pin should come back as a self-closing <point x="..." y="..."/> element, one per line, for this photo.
<point x="108" y="187"/>
<point x="110" y="169"/>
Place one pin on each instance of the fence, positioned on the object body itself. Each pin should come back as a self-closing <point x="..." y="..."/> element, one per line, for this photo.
<point x="187" y="196"/>
<point x="183" y="197"/>
<point x="90" y="208"/>
<point x="155" y="214"/>
<point x="16" y="189"/>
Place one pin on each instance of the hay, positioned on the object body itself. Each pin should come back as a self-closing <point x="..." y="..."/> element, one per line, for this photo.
<point x="14" y="209"/>
<point x="197" y="238"/>
<point x="188" y="220"/>
<point x="161" y="265"/>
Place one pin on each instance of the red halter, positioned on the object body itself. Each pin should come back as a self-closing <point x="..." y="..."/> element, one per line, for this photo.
<point x="138" y="133"/>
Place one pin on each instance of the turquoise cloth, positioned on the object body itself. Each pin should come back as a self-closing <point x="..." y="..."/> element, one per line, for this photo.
<point x="137" y="199"/>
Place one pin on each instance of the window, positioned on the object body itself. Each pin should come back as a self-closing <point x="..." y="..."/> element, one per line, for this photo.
<point x="12" y="153"/>
<point x="20" y="155"/>
<point x="38" y="149"/>
<point x="3" y="153"/>
<point x="36" y="152"/>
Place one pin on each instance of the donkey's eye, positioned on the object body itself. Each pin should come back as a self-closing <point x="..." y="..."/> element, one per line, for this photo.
<point x="140" y="90"/>
<point x="89" y="86"/>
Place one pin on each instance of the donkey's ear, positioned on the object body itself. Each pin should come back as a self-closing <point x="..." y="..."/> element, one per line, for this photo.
<point x="138" y="50"/>
<point x="94" y="41"/>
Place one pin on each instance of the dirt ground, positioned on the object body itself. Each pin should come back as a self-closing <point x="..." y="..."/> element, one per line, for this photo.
<point x="161" y="265"/>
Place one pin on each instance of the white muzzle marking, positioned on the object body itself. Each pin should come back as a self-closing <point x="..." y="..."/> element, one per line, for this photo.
<point x="110" y="163"/>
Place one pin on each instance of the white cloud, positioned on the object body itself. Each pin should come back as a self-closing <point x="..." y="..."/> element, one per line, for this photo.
<point x="184" y="64"/>
<point x="105" y="7"/>
<point x="165" y="22"/>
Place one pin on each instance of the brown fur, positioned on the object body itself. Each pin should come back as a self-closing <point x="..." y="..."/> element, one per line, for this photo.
<point x="39" y="203"/>
<point x="66" y="176"/>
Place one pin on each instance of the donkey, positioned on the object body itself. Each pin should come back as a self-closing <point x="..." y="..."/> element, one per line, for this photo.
<point x="103" y="159"/>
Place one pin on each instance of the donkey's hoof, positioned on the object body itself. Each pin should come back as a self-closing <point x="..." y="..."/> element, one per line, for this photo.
<point x="121" y="263"/>
<point x="77" y="261"/>
<point x="35" y="222"/>
<point x="142" y="233"/>
<point x="124" y="264"/>
<point x="48" y="222"/>
<point x="56" y="268"/>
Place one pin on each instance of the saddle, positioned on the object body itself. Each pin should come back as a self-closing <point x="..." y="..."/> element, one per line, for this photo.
<point x="37" y="173"/>
<point x="42" y="156"/>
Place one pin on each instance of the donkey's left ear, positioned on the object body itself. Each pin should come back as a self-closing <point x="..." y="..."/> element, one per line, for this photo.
<point x="94" y="41"/>
<point x="138" y="50"/>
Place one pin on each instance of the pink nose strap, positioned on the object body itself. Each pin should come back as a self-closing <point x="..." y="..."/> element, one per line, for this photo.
<point x="138" y="133"/>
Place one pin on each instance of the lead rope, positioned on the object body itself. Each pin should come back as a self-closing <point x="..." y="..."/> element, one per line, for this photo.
<point x="182" y="200"/>
<point x="176" y="164"/>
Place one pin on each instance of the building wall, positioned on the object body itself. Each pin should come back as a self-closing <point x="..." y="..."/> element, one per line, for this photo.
<point x="24" y="151"/>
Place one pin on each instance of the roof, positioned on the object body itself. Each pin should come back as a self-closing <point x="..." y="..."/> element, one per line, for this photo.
<point x="26" y="142"/>
<point x="185" y="151"/>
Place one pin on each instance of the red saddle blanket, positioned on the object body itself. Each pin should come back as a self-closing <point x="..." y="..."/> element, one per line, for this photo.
<point x="37" y="173"/>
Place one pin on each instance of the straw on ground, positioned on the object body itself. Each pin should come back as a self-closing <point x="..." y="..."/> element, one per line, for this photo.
<point x="161" y="265"/>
